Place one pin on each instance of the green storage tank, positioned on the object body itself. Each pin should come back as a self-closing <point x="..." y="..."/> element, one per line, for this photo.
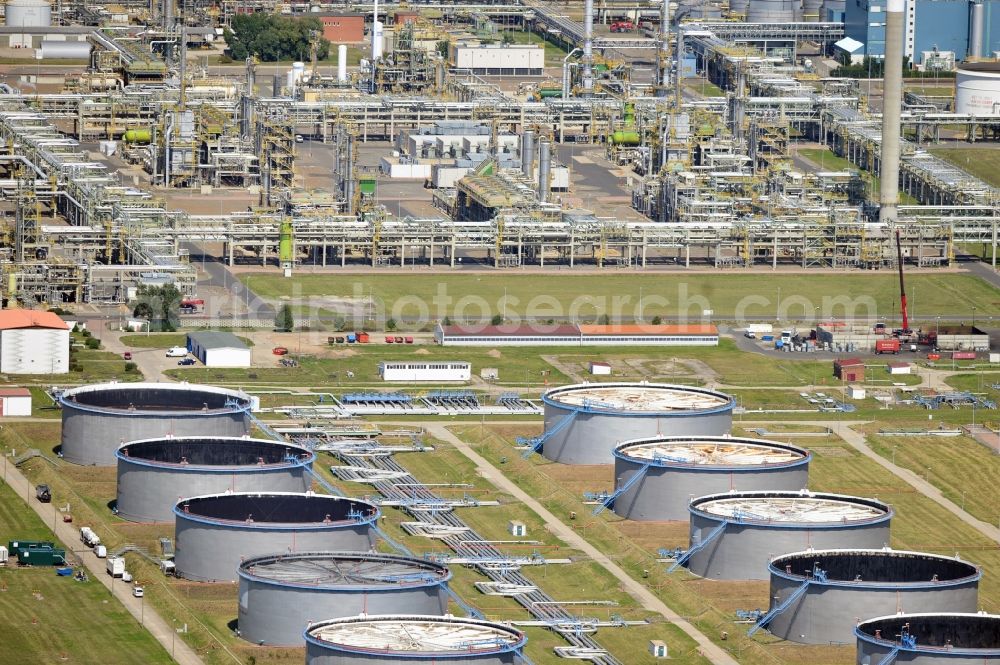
<point x="138" y="136"/>
<point x="547" y="93"/>
<point x="367" y="186"/>
<point x="625" y="137"/>
<point x="286" y="243"/>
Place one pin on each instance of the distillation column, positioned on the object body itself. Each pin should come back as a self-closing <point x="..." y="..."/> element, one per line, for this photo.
<point x="892" y="101"/>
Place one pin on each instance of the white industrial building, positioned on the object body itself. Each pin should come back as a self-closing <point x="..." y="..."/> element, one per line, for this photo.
<point x="408" y="370"/>
<point x="15" y="402"/>
<point x="219" y="349"/>
<point x="499" y="59"/>
<point x="33" y="342"/>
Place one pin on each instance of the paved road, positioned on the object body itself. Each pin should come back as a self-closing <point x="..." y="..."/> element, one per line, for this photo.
<point x="859" y="443"/>
<point x="710" y="650"/>
<point x="164" y="632"/>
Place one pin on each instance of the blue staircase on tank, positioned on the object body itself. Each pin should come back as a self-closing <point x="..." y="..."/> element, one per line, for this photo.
<point x="713" y="534"/>
<point x="610" y="499"/>
<point x="535" y="443"/>
<point x="775" y="611"/>
<point x="890" y="657"/>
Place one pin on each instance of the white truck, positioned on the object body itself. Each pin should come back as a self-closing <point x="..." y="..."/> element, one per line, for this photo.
<point x="760" y="328"/>
<point x="100" y="551"/>
<point x="177" y="352"/>
<point x="88" y="537"/>
<point x="116" y="566"/>
<point x="168" y="568"/>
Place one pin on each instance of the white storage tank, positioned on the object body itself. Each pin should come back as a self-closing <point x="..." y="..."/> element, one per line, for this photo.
<point x="28" y="14"/>
<point x="977" y="88"/>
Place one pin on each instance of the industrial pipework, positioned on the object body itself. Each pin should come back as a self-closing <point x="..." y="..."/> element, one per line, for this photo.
<point x="588" y="46"/>
<point x="544" y="169"/>
<point x="892" y="101"/>
<point x="665" y="46"/>
<point x="528" y="153"/>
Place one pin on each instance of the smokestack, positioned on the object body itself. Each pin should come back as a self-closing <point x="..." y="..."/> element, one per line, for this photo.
<point x="665" y="44"/>
<point x="376" y="35"/>
<point x="588" y="45"/>
<point x="975" y="31"/>
<point x="544" y="169"/>
<point x="342" y="63"/>
<point x="892" y="101"/>
<point x="528" y="153"/>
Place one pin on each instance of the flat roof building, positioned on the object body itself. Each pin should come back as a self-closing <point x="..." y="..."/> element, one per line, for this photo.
<point x="219" y="349"/>
<point x="577" y="335"/>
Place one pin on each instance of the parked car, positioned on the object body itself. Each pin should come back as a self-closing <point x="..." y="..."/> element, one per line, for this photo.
<point x="176" y="352"/>
<point x="138" y="591"/>
<point x="279" y="351"/>
<point x="43" y="493"/>
<point x="127" y="355"/>
<point x="750" y="334"/>
<point x="186" y="361"/>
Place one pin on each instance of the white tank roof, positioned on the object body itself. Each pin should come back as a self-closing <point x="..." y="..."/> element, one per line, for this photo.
<point x="711" y="451"/>
<point x="639" y="398"/>
<point x="417" y="635"/>
<point x="791" y="508"/>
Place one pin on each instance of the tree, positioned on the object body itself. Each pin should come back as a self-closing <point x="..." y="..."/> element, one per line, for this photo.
<point x="390" y="324"/>
<point x="657" y="320"/>
<point x="284" y="321"/>
<point x="272" y="38"/>
<point x="446" y="321"/>
<point x="604" y="320"/>
<point x="160" y="305"/>
<point x="496" y="320"/>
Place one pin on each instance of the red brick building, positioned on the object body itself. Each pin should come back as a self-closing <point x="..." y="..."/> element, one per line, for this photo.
<point x="343" y="28"/>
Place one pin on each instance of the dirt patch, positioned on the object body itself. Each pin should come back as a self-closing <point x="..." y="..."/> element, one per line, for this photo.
<point x="494" y="353"/>
<point x="422" y="352"/>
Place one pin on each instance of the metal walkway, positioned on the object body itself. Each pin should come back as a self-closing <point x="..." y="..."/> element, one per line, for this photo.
<point x="785" y="604"/>
<point x="465" y="542"/>
<point x="607" y="501"/>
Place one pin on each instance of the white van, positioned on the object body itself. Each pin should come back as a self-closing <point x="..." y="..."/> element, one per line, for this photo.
<point x="177" y="352"/>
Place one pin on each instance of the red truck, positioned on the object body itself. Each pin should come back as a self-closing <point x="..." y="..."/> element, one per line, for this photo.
<point x="887" y="346"/>
<point x="622" y="26"/>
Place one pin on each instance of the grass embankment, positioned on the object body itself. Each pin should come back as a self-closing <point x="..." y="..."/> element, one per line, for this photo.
<point x="51" y="619"/>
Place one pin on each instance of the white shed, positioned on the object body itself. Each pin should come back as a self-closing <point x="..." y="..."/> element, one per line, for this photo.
<point x="15" y="402"/>
<point x="899" y="368"/>
<point x="600" y="368"/>
<point x="855" y="392"/>
<point x="219" y="349"/>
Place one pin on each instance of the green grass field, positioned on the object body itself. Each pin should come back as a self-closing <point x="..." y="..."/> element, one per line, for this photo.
<point x="980" y="162"/>
<point x="50" y="619"/>
<point x="584" y="297"/>
<point x="554" y="53"/>
<point x="703" y="87"/>
<point x="827" y="160"/>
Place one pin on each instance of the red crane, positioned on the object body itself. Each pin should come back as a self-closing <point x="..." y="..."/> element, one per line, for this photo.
<point x="902" y="287"/>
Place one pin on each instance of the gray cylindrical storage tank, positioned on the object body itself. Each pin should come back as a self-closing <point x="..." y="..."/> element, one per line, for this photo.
<point x="154" y="474"/>
<point x="677" y="469"/>
<point x="97" y="419"/>
<point x="584" y="422"/>
<point x="771" y="11"/>
<point x="846" y="586"/>
<point x="27" y="14"/>
<point x="280" y="594"/>
<point x="53" y="50"/>
<point x="738" y="7"/>
<point x="396" y="639"/>
<point x="214" y="533"/>
<point x="930" y="639"/>
<point x="743" y="531"/>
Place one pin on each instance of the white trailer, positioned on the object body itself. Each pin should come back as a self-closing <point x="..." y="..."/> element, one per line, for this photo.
<point x="88" y="537"/>
<point x="116" y="566"/>
<point x="760" y="328"/>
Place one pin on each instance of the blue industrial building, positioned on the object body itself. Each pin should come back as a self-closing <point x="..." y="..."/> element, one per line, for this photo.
<point x="942" y="25"/>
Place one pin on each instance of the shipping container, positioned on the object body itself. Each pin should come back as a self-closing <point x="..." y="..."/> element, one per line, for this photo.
<point x="887" y="346"/>
<point x="41" y="556"/>
<point x="362" y="338"/>
<point x="963" y="355"/>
